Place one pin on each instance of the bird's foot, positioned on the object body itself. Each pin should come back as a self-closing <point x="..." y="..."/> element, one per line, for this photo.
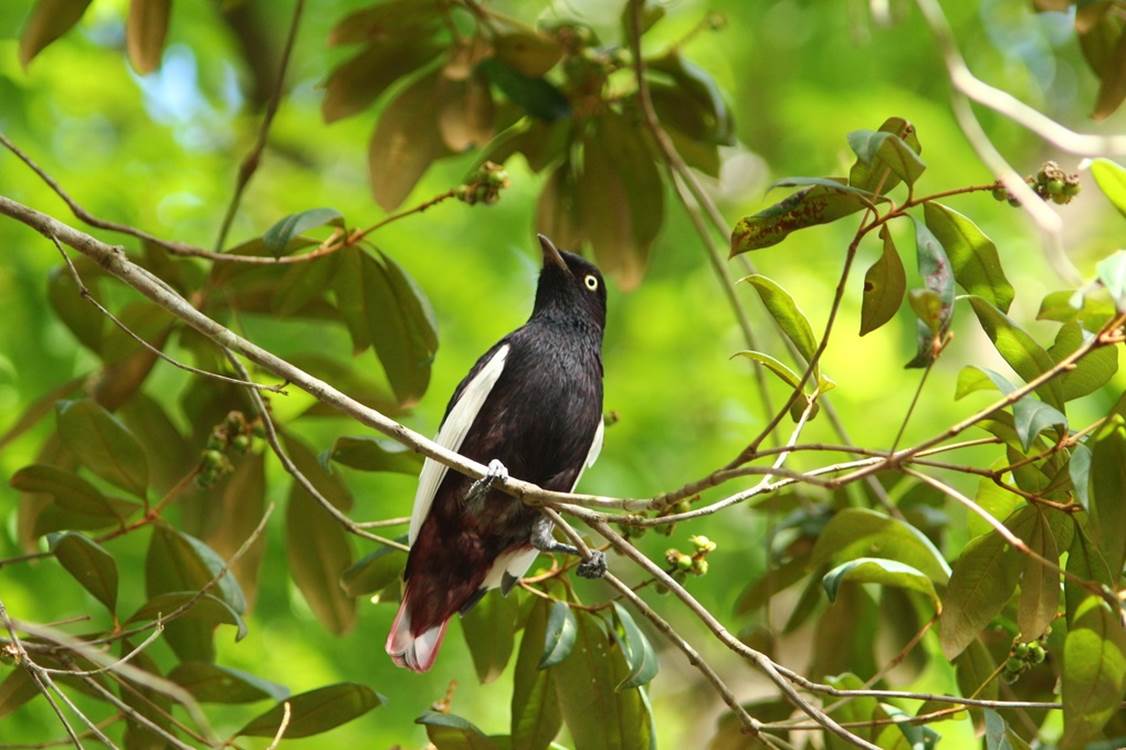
<point x="496" y="472"/>
<point x="594" y="566"/>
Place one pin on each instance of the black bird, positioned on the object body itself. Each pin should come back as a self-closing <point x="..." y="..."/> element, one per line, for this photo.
<point x="531" y="406"/>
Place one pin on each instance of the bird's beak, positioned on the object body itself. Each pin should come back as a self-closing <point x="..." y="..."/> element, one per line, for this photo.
<point x="551" y="254"/>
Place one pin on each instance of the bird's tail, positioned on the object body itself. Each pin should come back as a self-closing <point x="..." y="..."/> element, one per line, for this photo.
<point x="415" y="652"/>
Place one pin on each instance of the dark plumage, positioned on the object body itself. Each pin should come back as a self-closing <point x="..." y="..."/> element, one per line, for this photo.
<point x="533" y="403"/>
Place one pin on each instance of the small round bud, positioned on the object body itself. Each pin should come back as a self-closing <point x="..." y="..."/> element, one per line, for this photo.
<point x="212" y="459"/>
<point x="1000" y="193"/>
<point x="699" y="566"/>
<point x="1055" y="186"/>
<point x="1014" y="665"/>
<point x="685" y="563"/>
<point x="1020" y="650"/>
<point x="1071" y="186"/>
<point x="240" y="443"/>
<point x="702" y="544"/>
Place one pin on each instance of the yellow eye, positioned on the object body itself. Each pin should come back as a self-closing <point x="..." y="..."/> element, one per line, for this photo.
<point x="591" y="282"/>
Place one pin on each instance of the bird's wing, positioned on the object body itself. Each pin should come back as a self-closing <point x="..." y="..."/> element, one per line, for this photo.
<point x="460" y="415"/>
<point x="510" y="566"/>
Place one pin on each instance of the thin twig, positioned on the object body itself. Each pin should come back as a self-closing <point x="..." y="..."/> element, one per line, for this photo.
<point x="308" y="486"/>
<point x="84" y="292"/>
<point x="286" y="713"/>
<point x="250" y="164"/>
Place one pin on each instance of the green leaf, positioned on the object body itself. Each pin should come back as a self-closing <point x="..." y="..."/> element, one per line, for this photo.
<point x="887" y="149"/>
<point x="206" y="610"/>
<point x="278" y="236"/>
<point x="145" y="30"/>
<point x="881" y="571"/>
<point x="386" y="22"/>
<point x="1111" y="179"/>
<point x="488" y="628"/>
<point x="49" y="20"/>
<point x="884" y="285"/>
<point x="74" y="496"/>
<point x="1112" y="273"/>
<point x="598" y="716"/>
<point x="76" y="313"/>
<point x="972" y="379"/>
<point x="145" y="318"/>
<point x="1091" y="372"/>
<point x="928" y="307"/>
<point x="536" y="717"/>
<point x="1039" y="584"/>
<point x="1079" y="471"/>
<point x="936" y="272"/>
<point x="691" y="102"/>
<point x="405" y="142"/>
<point x="640" y="656"/>
<point x="996" y="731"/>
<point x="449" y="732"/>
<point x="16" y="689"/>
<point x="1016" y="347"/>
<point x="786" y="313"/>
<point x="805" y="208"/>
<point x="975" y="671"/>
<point x="383" y="307"/>
<point x="879" y="174"/>
<point x="1091" y="307"/>
<point x="619" y="197"/>
<point x="973" y="256"/>
<point x="788" y="376"/>
<point x="374" y="571"/>
<point x="89" y="564"/>
<point x="527" y="52"/>
<point x="367" y="453"/>
<point x="1108" y="478"/>
<point x="559" y="635"/>
<point x="859" y="532"/>
<point x="1086" y="562"/>
<point x="176" y="563"/>
<point x="103" y="444"/>
<point x="983" y="579"/>
<point x="536" y="96"/>
<point x="316" y="711"/>
<point x="319" y="553"/>
<point x="169" y="454"/>
<point x="1094" y="672"/>
<point x="1031" y="417"/>
<point x="356" y="83"/>
<point x="212" y="683"/>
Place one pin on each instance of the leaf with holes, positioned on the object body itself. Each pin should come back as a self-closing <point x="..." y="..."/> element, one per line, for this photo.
<point x="805" y="208"/>
<point x="884" y="285"/>
<point x="89" y="564"/>
<point x="316" y="711"/>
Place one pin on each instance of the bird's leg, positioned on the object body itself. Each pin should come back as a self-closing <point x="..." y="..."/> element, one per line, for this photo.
<point x="592" y="567"/>
<point x="495" y="472"/>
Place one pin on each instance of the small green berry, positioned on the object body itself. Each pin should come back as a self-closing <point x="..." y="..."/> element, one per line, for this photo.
<point x="1020" y="650"/>
<point x="699" y="566"/>
<point x="1055" y="186"/>
<point x="240" y="443"/>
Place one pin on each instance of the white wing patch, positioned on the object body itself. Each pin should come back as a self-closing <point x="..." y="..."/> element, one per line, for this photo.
<point x="452" y="434"/>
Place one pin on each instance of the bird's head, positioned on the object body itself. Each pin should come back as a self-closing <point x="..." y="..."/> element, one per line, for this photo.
<point x="570" y="287"/>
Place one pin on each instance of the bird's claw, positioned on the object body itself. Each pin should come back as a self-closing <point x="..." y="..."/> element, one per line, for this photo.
<point x="594" y="566"/>
<point x="495" y="472"/>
